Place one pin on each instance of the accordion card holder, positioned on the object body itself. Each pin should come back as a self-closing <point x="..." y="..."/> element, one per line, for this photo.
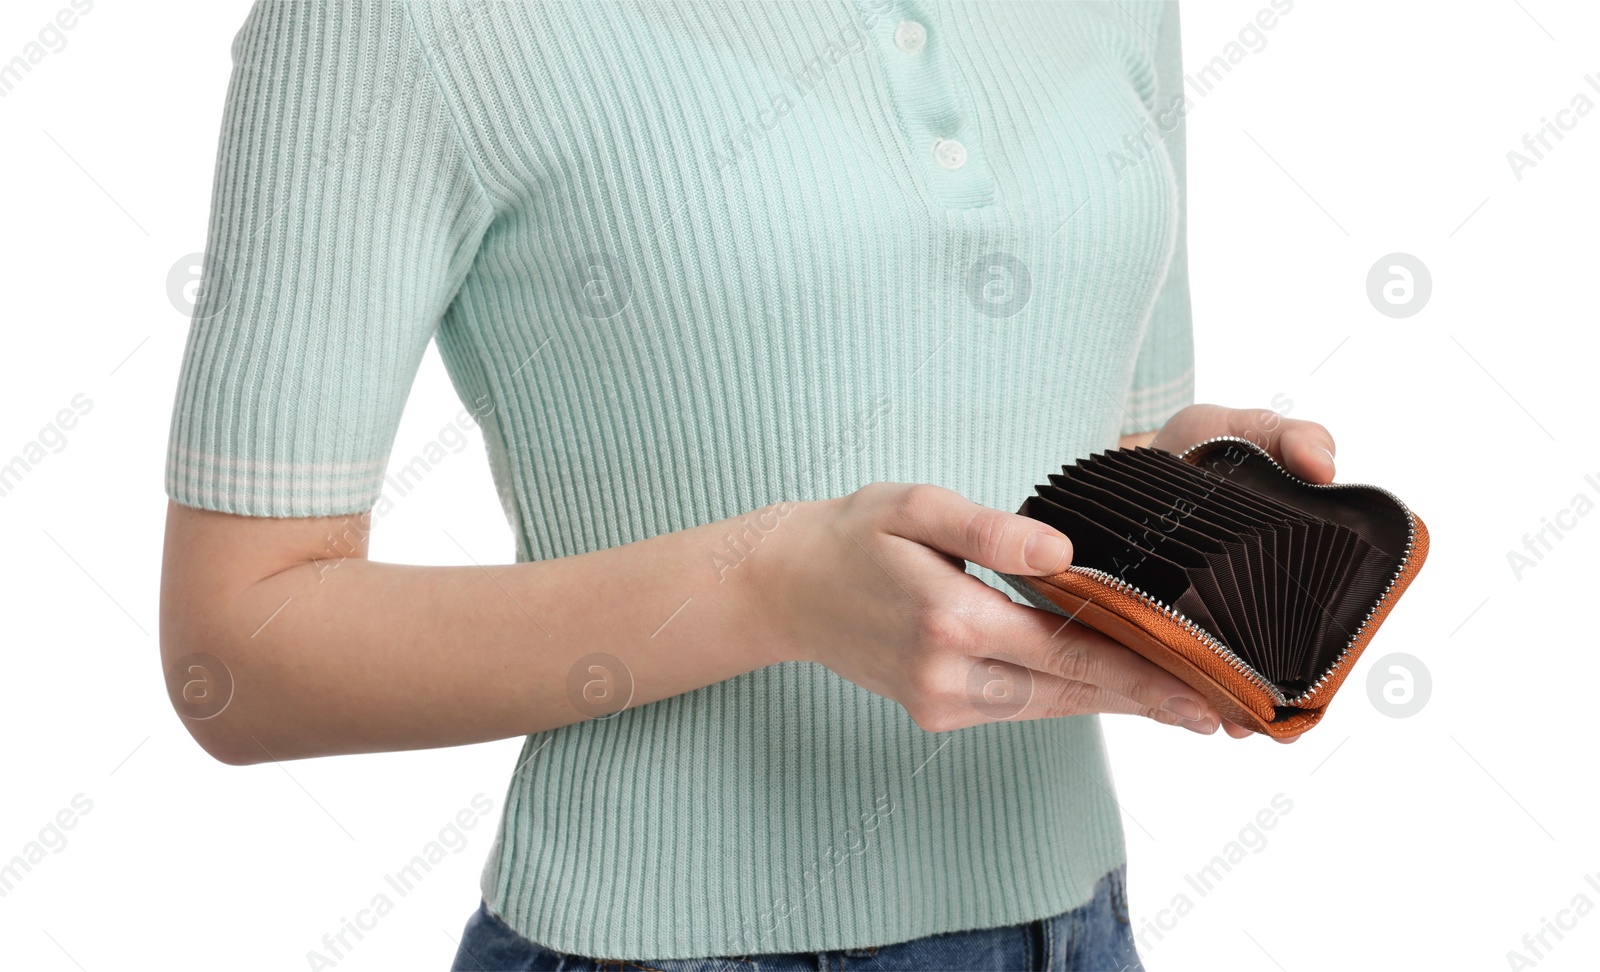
<point x="1258" y="589"/>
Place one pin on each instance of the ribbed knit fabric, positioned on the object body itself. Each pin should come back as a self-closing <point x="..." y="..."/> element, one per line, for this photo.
<point x="687" y="260"/>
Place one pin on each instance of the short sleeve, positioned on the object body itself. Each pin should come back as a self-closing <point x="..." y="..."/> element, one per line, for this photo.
<point x="344" y="217"/>
<point x="1163" y="377"/>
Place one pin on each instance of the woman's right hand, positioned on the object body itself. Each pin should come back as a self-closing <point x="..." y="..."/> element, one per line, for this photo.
<point x="874" y="586"/>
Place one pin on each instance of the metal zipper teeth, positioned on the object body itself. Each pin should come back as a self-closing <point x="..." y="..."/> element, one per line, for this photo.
<point x="1205" y="637"/>
<point x="1405" y="557"/>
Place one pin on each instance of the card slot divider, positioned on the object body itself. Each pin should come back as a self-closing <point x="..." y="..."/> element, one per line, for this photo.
<point x="1222" y="522"/>
<point x="1291" y="582"/>
<point x="1249" y="563"/>
<point x="1128" y="505"/>
<point x="1264" y="500"/>
<point x="1370" y="572"/>
<point x="1232" y="528"/>
<point x="1193" y="563"/>
<point x="1119" y="522"/>
<point x="1329" y="583"/>
<point x="1097" y="546"/>
<point x="1331" y="632"/>
<point x="1235" y="609"/>
<point x="1205" y="490"/>
<point x="1375" y="517"/>
<point x="1289" y="586"/>
<point x="1305" y="569"/>
<point x="1281" y="572"/>
<point x="1336" y="542"/>
<point x="1194" y="606"/>
<point x="1239" y="496"/>
<point x="1257" y="582"/>
<point x="1291" y="540"/>
<point x="1273" y="548"/>
<point x="1267" y="564"/>
<point x="1218" y="615"/>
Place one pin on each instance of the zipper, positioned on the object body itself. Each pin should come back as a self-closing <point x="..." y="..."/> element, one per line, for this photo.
<point x="1205" y="637"/>
<point x="1240" y="664"/>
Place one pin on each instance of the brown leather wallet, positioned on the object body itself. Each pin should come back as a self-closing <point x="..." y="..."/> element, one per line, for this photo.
<point x="1257" y="588"/>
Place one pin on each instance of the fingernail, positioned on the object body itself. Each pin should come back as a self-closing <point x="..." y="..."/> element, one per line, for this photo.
<point x="1045" y="551"/>
<point x="1204" y="727"/>
<point x="1324" y="451"/>
<point x="1185" y="708"/>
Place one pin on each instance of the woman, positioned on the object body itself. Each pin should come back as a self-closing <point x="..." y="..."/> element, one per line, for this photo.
<point x="770" y="314"/>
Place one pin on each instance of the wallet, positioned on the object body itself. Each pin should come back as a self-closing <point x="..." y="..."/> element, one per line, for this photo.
<point x="1258" y="589"/>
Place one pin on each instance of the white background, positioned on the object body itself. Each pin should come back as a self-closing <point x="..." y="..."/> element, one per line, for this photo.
<point x="1360" y="129"/>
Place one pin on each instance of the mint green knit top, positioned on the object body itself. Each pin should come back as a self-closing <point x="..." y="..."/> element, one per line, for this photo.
<point x="701" y="258"/>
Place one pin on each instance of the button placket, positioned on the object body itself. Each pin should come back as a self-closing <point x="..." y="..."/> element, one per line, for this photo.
<point x="931" y="103"/>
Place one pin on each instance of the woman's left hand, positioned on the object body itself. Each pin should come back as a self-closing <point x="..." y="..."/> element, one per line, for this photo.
<point x="1304" y="448"/>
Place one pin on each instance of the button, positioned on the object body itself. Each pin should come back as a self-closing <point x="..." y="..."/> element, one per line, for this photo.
<point x="949" y="153"/>
<point x="910" y="36"/>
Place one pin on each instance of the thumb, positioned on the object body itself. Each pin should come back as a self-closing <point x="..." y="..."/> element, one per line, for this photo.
<point x="1007" y="543"/>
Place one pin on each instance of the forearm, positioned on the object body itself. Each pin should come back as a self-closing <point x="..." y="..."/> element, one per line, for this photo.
<point x="343" y="655"/>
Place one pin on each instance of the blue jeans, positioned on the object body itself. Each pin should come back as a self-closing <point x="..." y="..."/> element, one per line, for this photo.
<point x="1096" y="937"/>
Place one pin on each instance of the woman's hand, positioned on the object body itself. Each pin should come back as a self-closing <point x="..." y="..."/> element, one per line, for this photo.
<point x="1304" y="448"/>
<point x="874" y="586"/>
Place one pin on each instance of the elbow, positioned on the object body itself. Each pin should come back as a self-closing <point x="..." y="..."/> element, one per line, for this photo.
<point x="217" y="679"/>
<point x="201" y="689"/>
<point x="222" y="751"/>
<point x="226" y="742"/>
